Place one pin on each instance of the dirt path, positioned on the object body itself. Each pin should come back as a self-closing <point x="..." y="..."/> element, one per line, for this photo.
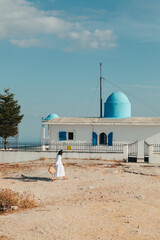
<point x="100" y="200"/>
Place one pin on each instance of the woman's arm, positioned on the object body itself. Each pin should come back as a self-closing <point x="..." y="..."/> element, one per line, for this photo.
<point x="58" y="160"/>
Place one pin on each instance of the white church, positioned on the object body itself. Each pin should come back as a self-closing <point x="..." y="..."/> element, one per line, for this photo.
<point x="116" y="135"/>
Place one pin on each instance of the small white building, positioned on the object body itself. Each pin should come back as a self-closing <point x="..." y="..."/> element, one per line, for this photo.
<point x="116" y="128"/>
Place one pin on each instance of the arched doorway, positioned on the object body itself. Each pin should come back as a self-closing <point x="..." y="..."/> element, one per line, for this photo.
<point x="103" y="139"/>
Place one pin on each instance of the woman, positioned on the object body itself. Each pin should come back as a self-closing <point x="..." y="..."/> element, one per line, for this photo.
<point x="59" y="166"/>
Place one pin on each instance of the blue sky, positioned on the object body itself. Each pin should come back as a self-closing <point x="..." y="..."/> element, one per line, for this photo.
<point x="50" y="52"/>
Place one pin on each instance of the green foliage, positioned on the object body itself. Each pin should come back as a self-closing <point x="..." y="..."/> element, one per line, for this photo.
<point x="9" y="115"/>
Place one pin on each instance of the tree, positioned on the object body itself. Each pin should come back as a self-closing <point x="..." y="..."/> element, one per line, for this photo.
<point x="9" y="116"/>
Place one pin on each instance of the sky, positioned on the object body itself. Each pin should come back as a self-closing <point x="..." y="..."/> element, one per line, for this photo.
<point x="50" y="53"/>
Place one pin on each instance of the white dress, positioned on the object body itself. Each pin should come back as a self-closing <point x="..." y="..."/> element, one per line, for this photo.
<point x="59" y="167"/>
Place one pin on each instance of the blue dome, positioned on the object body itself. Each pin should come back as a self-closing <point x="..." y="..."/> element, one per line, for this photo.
<point x="51" y="116"/>
<point x="117" y="105"/>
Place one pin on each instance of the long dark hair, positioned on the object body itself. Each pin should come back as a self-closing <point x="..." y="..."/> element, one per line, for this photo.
<point x="60" y="152"/>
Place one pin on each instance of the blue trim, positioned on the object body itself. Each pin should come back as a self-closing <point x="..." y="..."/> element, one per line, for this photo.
<point x="94" y="138"/>
<point x="110" y="139"/>
<point x="62" y="136"/>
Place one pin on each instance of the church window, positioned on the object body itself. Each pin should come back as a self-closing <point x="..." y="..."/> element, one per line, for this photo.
<point x="70" y="136"/>
<point x="103" y="139"/>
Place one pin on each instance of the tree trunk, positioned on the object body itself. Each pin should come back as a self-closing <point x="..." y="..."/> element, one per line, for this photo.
<point x="5" y="143"/>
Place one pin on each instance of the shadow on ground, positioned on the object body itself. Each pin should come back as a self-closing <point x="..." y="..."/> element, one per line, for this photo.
<point x="24" y="178"/>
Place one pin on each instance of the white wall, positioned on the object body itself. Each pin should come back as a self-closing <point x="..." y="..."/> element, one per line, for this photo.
<point x="120" y="133"/>
<point x="154" y="139"/>
<point x="15" y="157"/>
<point x="81" y="133"/>
<point x="123" y="134"/>
<point x="154" y="158"/>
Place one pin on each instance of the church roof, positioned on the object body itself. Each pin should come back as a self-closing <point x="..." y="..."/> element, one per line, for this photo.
<point x="117" y="97"/>
<point x="104" y="121"/>
<point x="51" y="116"/>
<point x="117" y="105"/>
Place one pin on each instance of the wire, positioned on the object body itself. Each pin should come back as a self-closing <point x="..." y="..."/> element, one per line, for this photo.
<point x="92" y="99"/>
<point x="75" y="102"/>
<point x="135" y="98"/>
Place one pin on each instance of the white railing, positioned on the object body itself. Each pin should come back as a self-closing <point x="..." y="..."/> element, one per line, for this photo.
<point x="133" y="149"/>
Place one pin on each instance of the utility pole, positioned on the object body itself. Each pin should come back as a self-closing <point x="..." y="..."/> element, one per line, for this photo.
<point x="101" y="89"/>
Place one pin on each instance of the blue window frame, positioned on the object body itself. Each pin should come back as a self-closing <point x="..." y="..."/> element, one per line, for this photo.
<point x="94" y="139"/>
<point x="62" y="136"/>
<point x="110" y="139"/>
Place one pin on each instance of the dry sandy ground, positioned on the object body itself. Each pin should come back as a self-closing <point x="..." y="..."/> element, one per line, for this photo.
<point x="100" y="200"/>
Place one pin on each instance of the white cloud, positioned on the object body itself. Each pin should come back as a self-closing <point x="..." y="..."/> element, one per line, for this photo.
<point x="24" y="25"/>
<point x="26" y="42"/>
<point x="96" y="39"/>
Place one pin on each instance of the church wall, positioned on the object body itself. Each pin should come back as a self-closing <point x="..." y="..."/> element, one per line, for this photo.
<point x="123" y="134"/>
<point x="81" y="133"/>
<point x="136" y="133"/>
<point x="154" y="139"/>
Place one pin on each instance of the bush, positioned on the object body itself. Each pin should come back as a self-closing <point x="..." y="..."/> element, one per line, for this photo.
<point x="10" y="198"/>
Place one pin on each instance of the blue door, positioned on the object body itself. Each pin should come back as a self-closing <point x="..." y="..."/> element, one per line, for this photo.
<point x="110" y="139"/>
<point x="94" y="138"/>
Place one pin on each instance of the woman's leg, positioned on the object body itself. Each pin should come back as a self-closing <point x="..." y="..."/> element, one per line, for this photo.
<point x="64" y="178"/>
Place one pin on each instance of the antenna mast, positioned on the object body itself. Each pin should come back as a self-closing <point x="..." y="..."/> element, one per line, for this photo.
<point x="101" y="89"/>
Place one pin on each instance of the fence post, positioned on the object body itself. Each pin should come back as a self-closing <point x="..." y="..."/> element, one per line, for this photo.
<point x="43" y="137"/>
<point x="150" y="154"/>
<point x="125" y="152"/>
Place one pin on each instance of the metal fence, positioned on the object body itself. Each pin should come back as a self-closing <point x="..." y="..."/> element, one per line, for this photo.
<point x="156" y="148"/>
<point x="86" y="147"/>
<point x="66" y="146"/>
<point x="22" y="146"/>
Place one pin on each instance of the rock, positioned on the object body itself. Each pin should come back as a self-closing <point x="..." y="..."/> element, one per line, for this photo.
<point x="139" y="197"/>
<point x="107" y="166"/>
<point x="14" y="208"/>
<point x="88" y="187"/>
